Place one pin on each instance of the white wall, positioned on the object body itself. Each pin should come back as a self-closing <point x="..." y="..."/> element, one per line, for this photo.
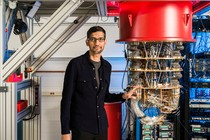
<point x="52" y="82"/>
<point x="76" y="44"/>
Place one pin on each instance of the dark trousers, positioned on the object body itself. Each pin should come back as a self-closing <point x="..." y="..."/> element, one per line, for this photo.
<point x="80" y="135"/>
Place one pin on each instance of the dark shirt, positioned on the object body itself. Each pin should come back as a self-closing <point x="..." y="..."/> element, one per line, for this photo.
<point x="97" y="65"/>
<point x="82" y="104"/>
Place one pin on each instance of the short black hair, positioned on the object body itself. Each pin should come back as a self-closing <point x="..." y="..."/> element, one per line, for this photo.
<point x="95" y="29"/>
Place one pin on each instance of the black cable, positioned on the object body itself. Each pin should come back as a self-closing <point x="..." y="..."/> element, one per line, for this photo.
<point x="123" y="78"/>
<point x="33" y="115"/>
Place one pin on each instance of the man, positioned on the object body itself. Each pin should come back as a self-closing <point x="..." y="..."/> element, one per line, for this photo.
<point x="86" y="87"/>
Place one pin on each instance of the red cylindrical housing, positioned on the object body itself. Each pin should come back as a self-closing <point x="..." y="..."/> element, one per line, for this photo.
<point x="113" y="111"/>
<point x="155" y="21"/>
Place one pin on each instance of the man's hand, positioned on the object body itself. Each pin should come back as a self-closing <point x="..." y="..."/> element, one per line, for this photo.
<point x="131" y="94"/>
<point x="66" y="137"/>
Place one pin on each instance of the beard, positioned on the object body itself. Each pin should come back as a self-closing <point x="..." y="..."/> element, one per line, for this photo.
<point x="97" y="50"/>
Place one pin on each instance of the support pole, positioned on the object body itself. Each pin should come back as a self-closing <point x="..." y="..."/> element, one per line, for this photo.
<point x="2" y="47"/>
<point x="2" y="37"/>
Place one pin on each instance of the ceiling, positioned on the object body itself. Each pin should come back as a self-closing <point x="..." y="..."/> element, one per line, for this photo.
<point x="88" y="7"/>
<point x="48" y="7"/>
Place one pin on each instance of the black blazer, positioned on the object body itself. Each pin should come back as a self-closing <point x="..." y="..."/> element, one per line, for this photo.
<point x="82" y="104"/>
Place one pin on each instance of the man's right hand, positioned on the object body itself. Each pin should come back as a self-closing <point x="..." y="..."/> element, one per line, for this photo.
<point x="66" y="137"/>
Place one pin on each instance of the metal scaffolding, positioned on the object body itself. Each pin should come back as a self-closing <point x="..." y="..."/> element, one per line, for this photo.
<point x="37" y="39"/>
<point x="10" y="119"/>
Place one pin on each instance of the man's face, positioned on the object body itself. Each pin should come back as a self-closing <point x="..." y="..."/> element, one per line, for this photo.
<point x="96" y="42"/>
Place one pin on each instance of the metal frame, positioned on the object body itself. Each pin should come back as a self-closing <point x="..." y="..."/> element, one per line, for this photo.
<point x="8" y="99"/>
<point x="2" y="45"/>
<point x="101" y="6"/>
<point x="9" y="21"/>
<point x="9" y="111"/>
<point x="24" y="84"/>
<point x="22" y="114"/>
<point x="32" y="128"/>
<point x="3" y="89"/>
<point x="2" y="36"/>
<point x="37" y="39"/>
